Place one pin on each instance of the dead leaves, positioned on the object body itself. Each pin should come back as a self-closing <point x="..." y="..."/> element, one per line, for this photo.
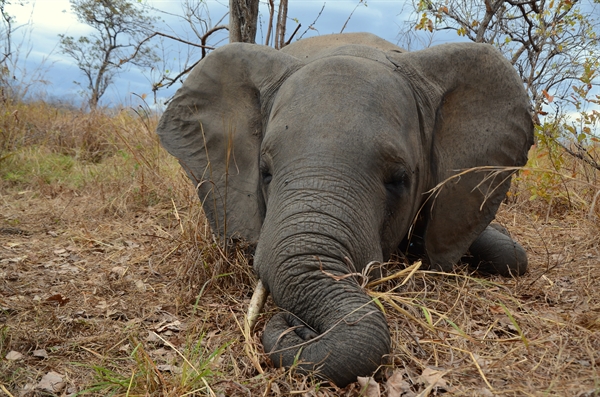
<point x="398" y="386"/>
<point x="57" y="299"/>
<point x="400" y="383"/>
<point x="40" y="353"/>
<point x="52" y="382"/>
<point x="433" y="381"/>
<point x="369" y="388"/>
<point x="14" y="356"/>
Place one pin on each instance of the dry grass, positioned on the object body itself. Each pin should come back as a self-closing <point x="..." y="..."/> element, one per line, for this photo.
<point x="115" y="275"/>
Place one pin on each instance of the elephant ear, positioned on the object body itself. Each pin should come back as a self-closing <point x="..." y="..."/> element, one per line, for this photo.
<point x="214" y="127"/>
<point x="476" y="113"/>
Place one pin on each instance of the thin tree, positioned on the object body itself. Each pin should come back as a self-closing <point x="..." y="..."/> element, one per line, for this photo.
<point x="242" y="27"/>
<point x="15" y="78"/>
<point x="121" y="28"/>
<point x="6" y="30"/>
<point x="7" y="51"/>
<point x="243" y="20"/>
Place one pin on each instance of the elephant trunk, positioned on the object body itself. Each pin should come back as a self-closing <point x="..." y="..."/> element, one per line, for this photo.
<point x="336" y="331"/>
<point x="308" y="257"/>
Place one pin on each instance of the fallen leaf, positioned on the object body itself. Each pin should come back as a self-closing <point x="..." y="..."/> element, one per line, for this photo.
<point x="139" y="284"/>
<point x="58" y="299"/>
<point x="27" y="389"/>
<point x="40" y="353"/>
<point x="66" y="268"/>
<point x="173" y="326"/>
<point x="13" y="356"/>
<point x="169" y="368"/>
<point x="482" y="362"/>
<point x="51" y="382"/>
<point x="103" y="305"/>
<point x="118" y="271"/>
<point x="485" y="392"/>
<point x="131" y="244"/>
<point x="16" y="259"/>
<point x="368" y="386"/>
<point x="7" y="310"/>
<point x="162" y="354"/>
<point x="275" y="389"/>
<point x="433" y="378"/>
<point x="397" y="386"/>
<point x="152" y="337"/>
<point x="496" y="309"/>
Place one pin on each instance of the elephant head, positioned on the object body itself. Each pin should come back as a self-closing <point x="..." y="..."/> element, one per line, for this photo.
<point x="328" y="154"/>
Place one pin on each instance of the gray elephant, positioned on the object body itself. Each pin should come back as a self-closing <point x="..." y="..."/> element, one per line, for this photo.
<point x="336" y="151"/>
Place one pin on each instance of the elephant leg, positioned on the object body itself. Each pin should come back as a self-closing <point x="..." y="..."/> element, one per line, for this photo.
<point x="495" y="252"/>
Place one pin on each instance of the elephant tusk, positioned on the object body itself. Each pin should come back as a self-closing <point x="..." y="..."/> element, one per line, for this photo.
<point x="257" y="302"/>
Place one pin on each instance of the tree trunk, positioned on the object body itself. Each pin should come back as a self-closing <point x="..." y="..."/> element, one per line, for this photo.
<point x="281" y="24"/>
<point x="243" y="20"/>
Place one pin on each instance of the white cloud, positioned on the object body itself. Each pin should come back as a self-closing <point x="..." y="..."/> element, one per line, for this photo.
<point x="52" y="17"/>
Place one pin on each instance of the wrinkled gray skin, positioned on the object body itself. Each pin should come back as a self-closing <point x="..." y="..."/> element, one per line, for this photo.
<point x="324" y="154"/>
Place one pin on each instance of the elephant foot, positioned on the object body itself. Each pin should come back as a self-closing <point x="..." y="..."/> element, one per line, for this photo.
<point x="494" y="252"/>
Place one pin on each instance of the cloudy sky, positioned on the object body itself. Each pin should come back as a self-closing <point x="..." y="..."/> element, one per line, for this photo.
<point x="41" y="59"/>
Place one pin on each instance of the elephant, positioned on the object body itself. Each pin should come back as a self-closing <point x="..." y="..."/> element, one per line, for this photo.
<point x="341" y="150"/>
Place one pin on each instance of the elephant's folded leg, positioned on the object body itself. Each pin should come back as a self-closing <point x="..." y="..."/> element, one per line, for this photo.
<point x="496" y="253"/>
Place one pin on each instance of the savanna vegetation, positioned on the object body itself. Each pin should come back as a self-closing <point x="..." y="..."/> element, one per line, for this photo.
<point x="111" y="282"/>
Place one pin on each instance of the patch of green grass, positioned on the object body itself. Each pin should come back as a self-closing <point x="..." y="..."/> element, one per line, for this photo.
<point x="199" y="365"/>
<point x="36" y="163"/>
<point x="108" y="382"/>
<point x="191" y="372"/>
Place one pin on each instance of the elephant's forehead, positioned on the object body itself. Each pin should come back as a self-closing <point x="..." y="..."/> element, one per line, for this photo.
<point x="333" y="75"/>
<point x="343" y="98"/>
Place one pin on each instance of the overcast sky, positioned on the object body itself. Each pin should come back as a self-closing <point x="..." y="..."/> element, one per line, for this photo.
<point x="40" y="55"/>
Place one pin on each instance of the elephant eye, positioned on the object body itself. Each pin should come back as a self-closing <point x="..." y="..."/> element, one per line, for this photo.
<point x="265" y="172"/>
<point x="397" y="183"/>
<point x="266" y="177"/>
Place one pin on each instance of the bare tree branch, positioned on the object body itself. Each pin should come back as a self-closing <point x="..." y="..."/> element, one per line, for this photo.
<point x="293" y="34"/>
